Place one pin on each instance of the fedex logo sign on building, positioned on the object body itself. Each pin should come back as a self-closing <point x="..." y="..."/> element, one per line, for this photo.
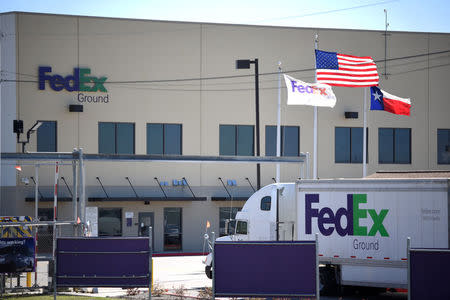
<point x="80" y="80"/>
<point x="329" y="221"/>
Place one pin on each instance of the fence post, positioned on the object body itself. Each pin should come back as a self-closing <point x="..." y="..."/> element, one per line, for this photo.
<point x="150" y="262"/>
<point x="54" y="260"/>
<point x="75" y="194"/>
<point x="408" y="257"/>
<point x="36" y="193"/>
<point x="82" y="186"/>
<point x="55" y="218"/>
<point x="213" y="241"/>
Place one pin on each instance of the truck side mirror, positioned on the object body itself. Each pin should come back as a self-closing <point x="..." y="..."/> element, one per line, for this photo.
<point x="226" y="226"/>
<point x="142" y="228"/>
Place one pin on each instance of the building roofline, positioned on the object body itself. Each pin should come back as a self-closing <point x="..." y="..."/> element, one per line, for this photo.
<point x="414" y="174"/>
<point x="217" y="24"/>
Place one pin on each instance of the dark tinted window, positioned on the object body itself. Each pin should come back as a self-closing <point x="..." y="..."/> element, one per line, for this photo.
<point x="109" y="221"/>
<point x="348" y="145"/>
<point x="385" y="145"/>
<point x="402" y="145"/>
<point x="227" y="136"/>
<point x="245" y="140"/>
<point x="443" y="146"/>
<point x="342" y="145"/>
<point x="394" y="145"/>
<point x="155" y="139"/>
<point x="172" y="229"/>
<point x="115" y="138"/>
<point x="124" y="138"/>
<point x="107" y="138"/>
<point x="271" y="140"/>
<point x="265" y="203"/>
<point x="236" y="140"/>
<point x="356" y="145"/>
<point x="290" y="140"/>
<point x="46" y="137"/>
<point x="172" y="139"/>
<point x="164" y="139"/>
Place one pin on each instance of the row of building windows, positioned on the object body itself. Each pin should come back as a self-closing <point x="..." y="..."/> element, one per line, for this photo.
<point x="394" y="144"/>
<point x="118" y="138"/>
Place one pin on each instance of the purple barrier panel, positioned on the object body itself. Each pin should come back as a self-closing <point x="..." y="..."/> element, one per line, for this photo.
<point x="429" y="274"/>
<point x="265" y="269"/>
<point x="17" y="255"/>
<point x="103" y="262"/>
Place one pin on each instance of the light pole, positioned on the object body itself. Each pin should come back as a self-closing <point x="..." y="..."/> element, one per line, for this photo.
<point x="245" y="64"/>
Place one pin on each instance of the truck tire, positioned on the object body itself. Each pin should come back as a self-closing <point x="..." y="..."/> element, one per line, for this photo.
<point x="208" y="272"/>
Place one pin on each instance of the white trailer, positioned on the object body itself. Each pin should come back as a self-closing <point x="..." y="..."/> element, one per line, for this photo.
<point x="363" y="224"/>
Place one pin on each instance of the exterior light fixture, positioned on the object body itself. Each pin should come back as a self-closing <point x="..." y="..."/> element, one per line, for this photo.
<point x="76" y="108"/>
<point x="351" y="115"/>
<point x="18" y="129"/>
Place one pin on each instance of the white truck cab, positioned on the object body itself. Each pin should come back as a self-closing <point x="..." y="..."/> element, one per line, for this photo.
<point x="258" y="218"/>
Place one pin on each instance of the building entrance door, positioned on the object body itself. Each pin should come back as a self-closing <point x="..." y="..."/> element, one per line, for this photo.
<point x="146" y="219"/>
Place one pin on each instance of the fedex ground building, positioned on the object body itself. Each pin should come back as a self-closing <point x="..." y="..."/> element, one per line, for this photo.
<point x="143" y="87"/>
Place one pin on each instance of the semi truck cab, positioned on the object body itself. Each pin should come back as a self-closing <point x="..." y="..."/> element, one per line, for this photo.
<point x="258" y="218"/>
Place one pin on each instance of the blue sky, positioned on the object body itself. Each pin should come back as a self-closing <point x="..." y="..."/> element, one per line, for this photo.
<point x="403" y="15"/>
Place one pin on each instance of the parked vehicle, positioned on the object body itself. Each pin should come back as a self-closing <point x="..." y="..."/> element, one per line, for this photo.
<point x="362" y="224"/>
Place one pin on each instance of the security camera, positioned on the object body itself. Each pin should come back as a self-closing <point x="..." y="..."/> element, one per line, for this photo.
<point x="25" y="180"/>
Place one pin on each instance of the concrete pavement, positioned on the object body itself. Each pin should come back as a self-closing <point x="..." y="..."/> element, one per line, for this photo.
<point x="170" y="273"/>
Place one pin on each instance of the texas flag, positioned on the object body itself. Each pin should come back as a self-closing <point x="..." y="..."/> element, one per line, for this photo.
<point x="381" y="100"/>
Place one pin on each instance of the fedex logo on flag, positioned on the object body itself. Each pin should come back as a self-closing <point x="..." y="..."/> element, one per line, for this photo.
<point x="314" y="94"/>
<point x="308" y="89"/>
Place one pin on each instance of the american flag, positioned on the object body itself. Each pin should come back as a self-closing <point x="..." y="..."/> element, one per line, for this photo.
<point x="345" y="70"/>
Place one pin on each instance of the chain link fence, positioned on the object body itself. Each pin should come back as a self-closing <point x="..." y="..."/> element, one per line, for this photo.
<point x="40" y="280"/>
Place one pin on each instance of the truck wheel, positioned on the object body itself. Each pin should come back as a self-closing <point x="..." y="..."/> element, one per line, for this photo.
<point x="208" y="272"/>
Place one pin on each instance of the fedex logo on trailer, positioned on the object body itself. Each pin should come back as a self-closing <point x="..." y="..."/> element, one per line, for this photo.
<point x="328" y="220"/>
<point x="80" y="80"/>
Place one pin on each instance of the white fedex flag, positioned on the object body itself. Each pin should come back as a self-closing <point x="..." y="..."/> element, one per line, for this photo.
<point x="314" y="94"/>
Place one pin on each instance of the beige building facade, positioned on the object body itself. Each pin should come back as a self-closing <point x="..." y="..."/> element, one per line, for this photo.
<point x="157" y="87"/>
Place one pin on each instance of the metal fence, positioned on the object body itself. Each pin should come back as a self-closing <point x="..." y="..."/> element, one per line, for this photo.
<point x="44" y="233"/>
<point x="45" y="230"/>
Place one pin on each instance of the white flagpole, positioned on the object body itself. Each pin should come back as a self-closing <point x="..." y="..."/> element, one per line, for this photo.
<point x="279" y="122"/>
<point x="315" y="124"/>
<point x="365" y="133"/>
